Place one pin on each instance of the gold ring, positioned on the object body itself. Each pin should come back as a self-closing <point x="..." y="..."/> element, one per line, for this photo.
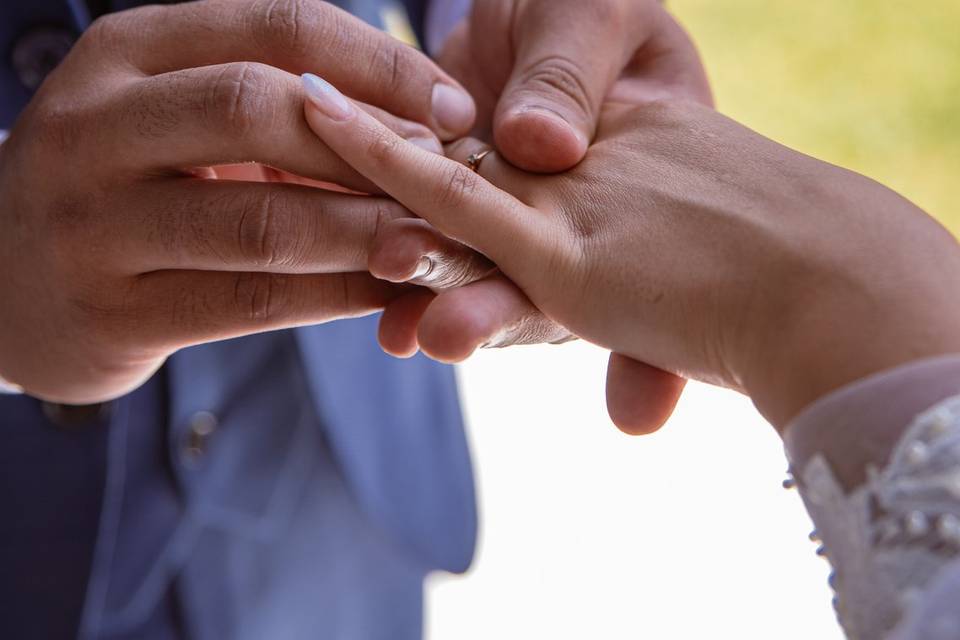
<point x="474" y="159"/>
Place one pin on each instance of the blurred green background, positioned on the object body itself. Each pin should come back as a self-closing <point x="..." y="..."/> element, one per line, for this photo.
<point x="871" y="85"/>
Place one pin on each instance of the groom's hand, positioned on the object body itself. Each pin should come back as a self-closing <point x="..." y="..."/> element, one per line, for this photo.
<point x="114" y="254"/>
<point x="540" y="70"/>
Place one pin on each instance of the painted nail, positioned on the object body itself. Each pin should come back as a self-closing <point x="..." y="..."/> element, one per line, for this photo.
<point x="453" y="109"/>
<point x="326" y="98"/>
<point x="430" y="144"/>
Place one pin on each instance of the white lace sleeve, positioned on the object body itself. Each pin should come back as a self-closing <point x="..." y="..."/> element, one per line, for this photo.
<point x="894" y="542"/>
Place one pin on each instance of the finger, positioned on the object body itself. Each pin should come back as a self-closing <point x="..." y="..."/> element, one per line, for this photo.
<point x="640" y="398"/>
<point x="297" y="36"/>
<point x="410" y="250"/>
<point x="494" y="168"/>
<point x="457" y="201"/>
<point x="397" y="332"/>
<point x="566" y="61"/>
<point x="457" y="58"/>
<point x="668" y="66"/>
<point x="239" y="112"/>
<point x="490" y="313"/>
<point x="184" y="223"/>
<point x="191" y="307"/>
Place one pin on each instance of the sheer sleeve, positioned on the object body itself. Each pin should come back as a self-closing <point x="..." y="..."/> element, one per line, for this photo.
<point x="883" y="491"/>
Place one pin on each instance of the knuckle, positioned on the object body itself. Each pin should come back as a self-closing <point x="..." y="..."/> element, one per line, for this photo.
<point x="383" y="148"/>
<point x="60" y="127"/>
<point x="240" y="97"/>
<point x="449" y="272"/>
<point x="109" y="31"/>
<point x="384" y="212"/>
<point x="262" y="236"/>
<point x="117" y="32"/>
<point x="284" y="23"/>
<point x="394" y="63"/>
<point x="559" y="74"/>
<point x="260" y="297"/>
<point x="458" y="189"/>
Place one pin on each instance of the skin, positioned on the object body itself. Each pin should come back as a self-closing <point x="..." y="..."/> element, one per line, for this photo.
<point x="123" y="261"/>
<point x="131" y="252"/>
<point x="688" y="242"/>
<point x="548" y="67"/>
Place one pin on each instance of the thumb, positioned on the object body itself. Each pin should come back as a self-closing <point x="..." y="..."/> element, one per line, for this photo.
<point x="569" y="53"/>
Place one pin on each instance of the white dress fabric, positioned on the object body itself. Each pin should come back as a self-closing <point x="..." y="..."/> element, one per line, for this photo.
<point x="894" y="541"/>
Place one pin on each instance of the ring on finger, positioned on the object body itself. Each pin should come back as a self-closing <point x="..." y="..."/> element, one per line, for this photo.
<point x="474" y="159"/>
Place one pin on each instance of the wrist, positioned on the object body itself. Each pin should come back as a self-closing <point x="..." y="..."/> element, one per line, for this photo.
<point x="869" y="299"/>
<point x="858" y="426"/>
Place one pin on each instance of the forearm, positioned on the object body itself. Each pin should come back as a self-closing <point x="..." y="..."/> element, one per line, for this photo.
<point x="868" y="286"/>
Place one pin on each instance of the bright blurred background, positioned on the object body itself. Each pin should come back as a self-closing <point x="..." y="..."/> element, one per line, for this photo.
<point x="688" y="534"/>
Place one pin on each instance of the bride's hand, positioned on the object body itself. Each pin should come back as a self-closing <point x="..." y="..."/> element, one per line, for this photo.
<point x="688" y="242"/>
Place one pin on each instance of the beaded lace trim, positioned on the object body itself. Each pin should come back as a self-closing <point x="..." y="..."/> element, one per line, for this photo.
<point x="895" y="537"/>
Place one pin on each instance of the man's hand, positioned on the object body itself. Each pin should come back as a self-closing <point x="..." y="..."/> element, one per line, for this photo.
<point x="540" y="70"/>
<point x="115" y="251"/>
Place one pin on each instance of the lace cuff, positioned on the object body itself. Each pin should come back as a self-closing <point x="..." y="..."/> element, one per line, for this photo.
<point x="894" y="541"/>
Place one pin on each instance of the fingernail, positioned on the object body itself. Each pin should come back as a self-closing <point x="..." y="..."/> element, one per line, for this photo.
<point x="539" y="111"/>
<point x="326" y="98"/>
<point x="424" y="267"/>
<point x="453" y="109"/>
<point x="430" y="144"/>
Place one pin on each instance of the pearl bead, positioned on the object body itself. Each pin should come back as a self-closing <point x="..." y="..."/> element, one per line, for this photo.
<point x="917" y="524"/>
<point x="941" y="421"/>
<point x="953" y="484"/>
<point x="918" y="453"/>
<point x="948" y="527"/>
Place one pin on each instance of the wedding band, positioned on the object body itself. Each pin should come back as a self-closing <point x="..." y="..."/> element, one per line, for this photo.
<point x="474" y="159"/>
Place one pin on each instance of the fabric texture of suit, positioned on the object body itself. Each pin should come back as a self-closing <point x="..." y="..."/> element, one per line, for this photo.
<point x="335" y="480"/>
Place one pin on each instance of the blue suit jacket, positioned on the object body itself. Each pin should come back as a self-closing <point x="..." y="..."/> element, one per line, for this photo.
<point x="333" y="464"/>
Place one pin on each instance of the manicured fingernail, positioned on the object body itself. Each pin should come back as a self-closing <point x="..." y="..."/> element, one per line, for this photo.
<point x="424" y="267"/>
<point x="453" y="109"/>
<point x="326" y="98"/>
<point x="430" y="144"/>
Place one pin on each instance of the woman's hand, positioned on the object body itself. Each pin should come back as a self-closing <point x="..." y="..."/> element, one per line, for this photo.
<point x="688" y="242"/>
<point x="540" y="70"/>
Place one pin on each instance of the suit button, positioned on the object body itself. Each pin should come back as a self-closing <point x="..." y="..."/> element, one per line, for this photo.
<point x="68" y="416"/>
<point x="38" y="52"/>
<point x="202" y="426"/>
